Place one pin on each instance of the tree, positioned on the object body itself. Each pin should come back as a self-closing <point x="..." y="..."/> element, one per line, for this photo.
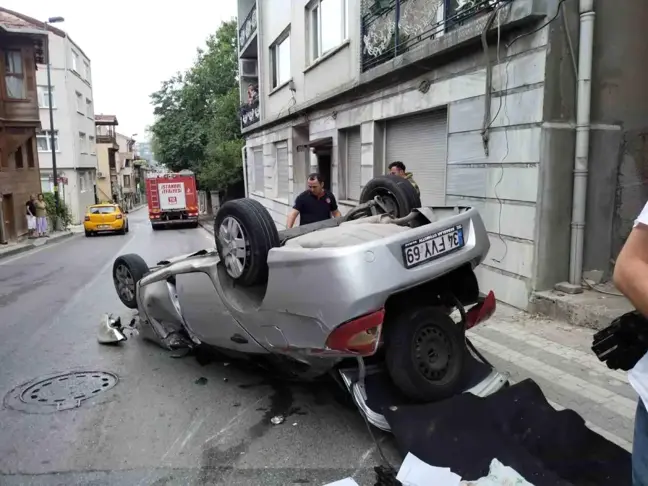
<point x="196" y="115"/>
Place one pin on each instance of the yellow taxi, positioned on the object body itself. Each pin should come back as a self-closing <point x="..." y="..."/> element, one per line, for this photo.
<point x="108" y="218"/>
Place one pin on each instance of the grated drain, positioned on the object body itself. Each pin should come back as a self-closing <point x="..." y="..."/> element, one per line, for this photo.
<point x="60" y="392"/>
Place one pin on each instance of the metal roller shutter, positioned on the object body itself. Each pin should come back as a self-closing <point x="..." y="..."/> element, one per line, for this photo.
<point x="420" y="142"/>
<point x="353" y="164"/>
<point x="259" y="173"/>
<point x="282" y="170"/>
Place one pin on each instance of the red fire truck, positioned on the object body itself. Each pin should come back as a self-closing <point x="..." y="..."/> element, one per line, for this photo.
<point x="172" y="199"/>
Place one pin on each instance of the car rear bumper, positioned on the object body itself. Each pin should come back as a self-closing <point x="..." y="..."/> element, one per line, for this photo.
<point x="189" y="219"/>
<point x="97" y="227"/>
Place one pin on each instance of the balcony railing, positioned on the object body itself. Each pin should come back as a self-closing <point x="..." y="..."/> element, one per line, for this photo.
<point x="248" y="27"/>
<point x="101" y="138"/>
<point x="393" y="27"/>
<point x="250" y="113"/>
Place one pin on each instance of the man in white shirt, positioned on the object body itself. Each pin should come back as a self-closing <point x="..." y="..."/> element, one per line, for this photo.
<point x="631" y="278"/>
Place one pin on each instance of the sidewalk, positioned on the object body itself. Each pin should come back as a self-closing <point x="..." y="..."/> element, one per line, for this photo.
<point x="557" y="356"/>
<point x="15" y="248"/>
<point x="207" y="222"/>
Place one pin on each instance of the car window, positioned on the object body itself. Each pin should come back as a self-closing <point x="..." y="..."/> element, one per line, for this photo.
<point x="103" y="210"/>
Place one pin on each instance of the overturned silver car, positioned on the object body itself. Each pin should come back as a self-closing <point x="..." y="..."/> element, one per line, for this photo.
<point x="367" y="297"/>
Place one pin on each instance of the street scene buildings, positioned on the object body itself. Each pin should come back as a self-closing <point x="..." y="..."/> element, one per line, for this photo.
<point x="22" y="51"/>
<point x="491" y="128"/>
<point x="530" y="111"/>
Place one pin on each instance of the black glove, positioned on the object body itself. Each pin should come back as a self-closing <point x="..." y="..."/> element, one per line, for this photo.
<point x="622" y="343"/>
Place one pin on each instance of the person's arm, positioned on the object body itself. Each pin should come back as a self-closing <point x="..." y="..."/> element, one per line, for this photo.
<point x="631" y="269"/>
<point x="334" y="207"/>
<point x="292" y="216"/>
<point x="294" y="212"/>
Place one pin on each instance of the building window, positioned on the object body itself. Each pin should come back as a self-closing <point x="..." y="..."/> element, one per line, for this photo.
<point x="43" y="97"/>
<point x="20" y="163"/>
<point x="259" y="172"/>
<point x="89" y="113"/>
<point x="83" y="183"/>
<point x="91" y="143"/>
<point x="127" y="181"/>
<point x="86" y="71"/>
<point x="14" y="75"/>
<point x="44" y="141"/>
<point x="329" y="26"/>
<point x="283" y="175"/>
<point x="280" y="55"/>
<point x="31" y="159"/>
<point x="82" y="143"/>
<point x="75" y="61"/>
<point x="80" y="105"/>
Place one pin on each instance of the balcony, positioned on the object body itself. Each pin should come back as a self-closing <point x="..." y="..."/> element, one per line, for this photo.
<point x="393" y="27"/>
<point x="250" y="113"/>
<point x="247" y="31"/>
<point x="106" y="138"/>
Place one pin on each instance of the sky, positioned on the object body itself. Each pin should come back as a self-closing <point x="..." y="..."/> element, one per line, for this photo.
<point x="133" y="46"/>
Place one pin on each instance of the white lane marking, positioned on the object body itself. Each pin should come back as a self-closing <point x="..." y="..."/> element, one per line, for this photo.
<point x="38" y="249"/>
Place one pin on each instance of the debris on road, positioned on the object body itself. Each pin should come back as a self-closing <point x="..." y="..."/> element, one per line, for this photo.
<point x="111" y="330"/>
<point x="277" y="419"/>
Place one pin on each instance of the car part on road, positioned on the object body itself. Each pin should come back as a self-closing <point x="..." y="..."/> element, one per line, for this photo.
<point x="60" y="391"/>
<point x="425" y="353"/>
<point x="111" y="330"/>
<point x="245" y="233"/>
<point x="127" y="271"/>
<point x="623" y="343"/>
<point x="398" y="193"/>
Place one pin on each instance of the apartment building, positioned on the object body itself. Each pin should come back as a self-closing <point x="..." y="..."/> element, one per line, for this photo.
<point x="479" y="99"/>
<point x="126" y="175"/>
<point x="21" y="50"/>
<point x="108" y="168"/>
<point x="73" y="108"/>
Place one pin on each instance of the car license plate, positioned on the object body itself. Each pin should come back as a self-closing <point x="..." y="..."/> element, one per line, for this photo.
<point x="433" y="246"/>
<point x="104" y="227"/>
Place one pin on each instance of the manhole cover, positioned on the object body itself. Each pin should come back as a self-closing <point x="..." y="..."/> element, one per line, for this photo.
<point x="60" y="392"/>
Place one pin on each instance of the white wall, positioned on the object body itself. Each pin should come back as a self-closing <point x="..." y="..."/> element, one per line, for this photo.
<point x="69" y="122"/>
<point x="311" y="80"/>
<point x="502" y="185"/>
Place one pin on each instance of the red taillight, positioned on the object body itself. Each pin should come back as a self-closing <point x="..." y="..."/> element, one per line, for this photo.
<point x="360" y="336"/>
<point x="482" y="311"/>
<point x="87" y="218"/>
<point x="119" y="216"/>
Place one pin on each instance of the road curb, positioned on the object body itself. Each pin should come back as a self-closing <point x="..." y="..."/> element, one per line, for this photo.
<point x="31" y="246"/>
<point x="207" y="224"/>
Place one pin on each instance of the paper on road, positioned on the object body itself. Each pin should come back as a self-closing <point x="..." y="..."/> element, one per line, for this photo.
<point x="414" y="472"/>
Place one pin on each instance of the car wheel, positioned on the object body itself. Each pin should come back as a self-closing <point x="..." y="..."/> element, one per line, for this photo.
<point x="425" y="352"/>
<point x="127" y="227"/>
<point x="155" y="226"/>
<point x="245" y="233"/>
<point x="127" y="271"/>
<point x="398" y="193"/>
<point x="88" y="233"/>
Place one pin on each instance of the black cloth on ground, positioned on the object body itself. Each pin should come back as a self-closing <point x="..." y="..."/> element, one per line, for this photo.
<point x="518" y="427"/>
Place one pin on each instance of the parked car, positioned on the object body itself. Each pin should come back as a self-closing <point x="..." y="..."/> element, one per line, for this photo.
<point x="105" y="218"/>
<point x="368" y="294"/>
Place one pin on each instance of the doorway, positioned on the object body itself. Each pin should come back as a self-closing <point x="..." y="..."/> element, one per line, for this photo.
<point x="9" y="218"/>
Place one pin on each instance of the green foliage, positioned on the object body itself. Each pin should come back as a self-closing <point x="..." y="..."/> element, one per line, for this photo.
<point x="64" y="214"/>
<point x="196" y="124"/>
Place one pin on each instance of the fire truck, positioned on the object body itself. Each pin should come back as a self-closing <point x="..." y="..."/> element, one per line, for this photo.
<point x="172" y="199"/>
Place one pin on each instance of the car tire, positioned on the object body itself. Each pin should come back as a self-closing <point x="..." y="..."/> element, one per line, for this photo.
<point x="249" y="221"/>
<point x="127" y="271"/>
<point x="425" y="353"/>
<point x="398" y="189"/>
<point x="155" y="226"/>
<point x="88" y="234"/>
<point x="127" y="227"/>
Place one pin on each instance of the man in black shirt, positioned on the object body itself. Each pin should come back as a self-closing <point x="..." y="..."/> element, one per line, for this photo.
<point x="30" y="210"/>
<point x="313" y="205"/>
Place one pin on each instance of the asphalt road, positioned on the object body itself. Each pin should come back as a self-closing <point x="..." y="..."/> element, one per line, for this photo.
<point x="167" y="421"/>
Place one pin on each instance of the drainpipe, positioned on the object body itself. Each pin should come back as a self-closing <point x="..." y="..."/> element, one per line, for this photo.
<point x="581" y="162"/>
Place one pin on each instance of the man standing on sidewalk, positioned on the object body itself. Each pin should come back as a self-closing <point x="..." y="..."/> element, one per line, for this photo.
<point x="631" y="278"/>
<point x="399" y="169"/>
<point x="313" y="205"/>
